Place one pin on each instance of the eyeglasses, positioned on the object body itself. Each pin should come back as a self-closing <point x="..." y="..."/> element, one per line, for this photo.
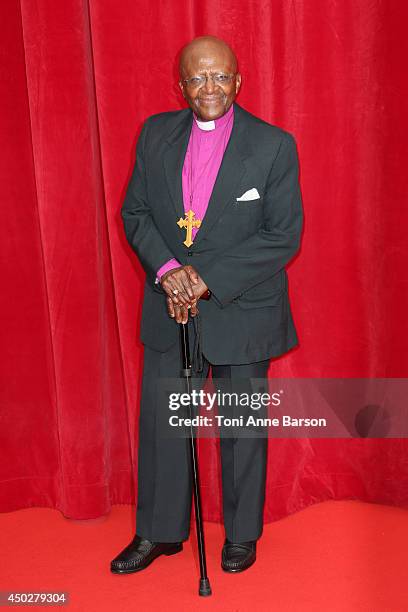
<point x="218" y="79"/>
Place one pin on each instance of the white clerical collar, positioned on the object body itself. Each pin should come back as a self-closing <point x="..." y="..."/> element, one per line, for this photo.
<point x="206" y="126"/>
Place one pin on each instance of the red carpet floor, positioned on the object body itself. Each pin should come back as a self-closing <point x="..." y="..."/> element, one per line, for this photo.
<point x="334" y="556"/>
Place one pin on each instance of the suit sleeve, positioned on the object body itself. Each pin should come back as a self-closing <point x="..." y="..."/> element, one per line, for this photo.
<point x="268" y="251"/>
<point x="140" y="228"/>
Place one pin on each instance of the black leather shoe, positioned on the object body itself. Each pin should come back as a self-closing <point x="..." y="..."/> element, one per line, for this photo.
<point x="140" y="553"/>
<point x="237" y="557"/>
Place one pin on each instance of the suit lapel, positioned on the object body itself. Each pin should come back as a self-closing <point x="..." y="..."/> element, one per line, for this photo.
<point x="174" y="159"/>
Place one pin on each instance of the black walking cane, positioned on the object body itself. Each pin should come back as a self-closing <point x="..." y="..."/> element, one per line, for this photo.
<point x="204" y="588"/>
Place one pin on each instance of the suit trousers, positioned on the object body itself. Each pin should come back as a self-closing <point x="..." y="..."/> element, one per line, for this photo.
<point x="164" y="467"/>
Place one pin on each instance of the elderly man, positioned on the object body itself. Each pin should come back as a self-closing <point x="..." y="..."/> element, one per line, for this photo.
<point x="213" y="211"/>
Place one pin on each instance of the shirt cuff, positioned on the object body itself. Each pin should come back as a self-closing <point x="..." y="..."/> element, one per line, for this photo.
<point x="169" y="265"/>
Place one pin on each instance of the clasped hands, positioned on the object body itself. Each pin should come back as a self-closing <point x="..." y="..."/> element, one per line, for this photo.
<point x="183" y="287"/>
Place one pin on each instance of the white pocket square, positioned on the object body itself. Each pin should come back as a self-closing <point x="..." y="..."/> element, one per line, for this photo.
<point x="251" y="194"/>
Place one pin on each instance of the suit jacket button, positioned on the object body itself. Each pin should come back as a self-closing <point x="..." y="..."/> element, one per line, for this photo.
<point x="189" y="253"/>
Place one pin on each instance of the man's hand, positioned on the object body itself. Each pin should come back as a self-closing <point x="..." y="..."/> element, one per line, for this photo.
<point x="180" y="313"/>
<point x="183" y="285"/>
<point x="189" y="287"/>
<point x="199" y="288"/>
<point x="178" y="284"/>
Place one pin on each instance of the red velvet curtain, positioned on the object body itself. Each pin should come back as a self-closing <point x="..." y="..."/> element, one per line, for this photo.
<point x="77" y="79"/>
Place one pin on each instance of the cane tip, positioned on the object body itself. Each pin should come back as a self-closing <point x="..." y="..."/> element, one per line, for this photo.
<point x="205" y="588"/>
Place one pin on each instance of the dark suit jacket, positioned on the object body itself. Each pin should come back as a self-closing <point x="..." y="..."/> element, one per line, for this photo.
<point x="240" y="249"/>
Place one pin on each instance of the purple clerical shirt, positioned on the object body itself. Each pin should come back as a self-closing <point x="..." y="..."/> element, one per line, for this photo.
<point x="205" y="150"/>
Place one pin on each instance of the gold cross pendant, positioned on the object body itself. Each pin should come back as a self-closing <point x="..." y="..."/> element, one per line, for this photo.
<point x="189" y="222"/>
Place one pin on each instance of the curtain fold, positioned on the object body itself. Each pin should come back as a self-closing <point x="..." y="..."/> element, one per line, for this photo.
<point x="78" y="79"/>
